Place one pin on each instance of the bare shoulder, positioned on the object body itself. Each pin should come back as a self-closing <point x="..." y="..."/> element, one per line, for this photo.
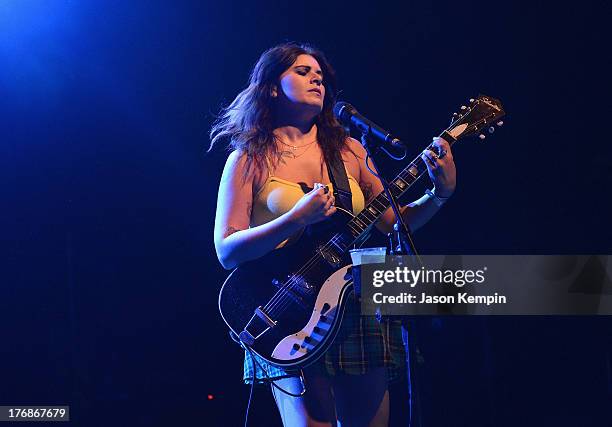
<point x="353" y="156"/>
<point x="356" y="148"/>
<point x="367" y="182"/>
<point x="236" y="167"/>
<point x="236" y="161"/>
<point x="233" y="163"/>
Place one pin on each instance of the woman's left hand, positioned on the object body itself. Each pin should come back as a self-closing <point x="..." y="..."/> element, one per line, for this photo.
<point x="441" y="168"/>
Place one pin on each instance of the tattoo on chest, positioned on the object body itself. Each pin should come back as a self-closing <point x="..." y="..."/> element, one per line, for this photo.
<point x="366" y="189"/>
<point x="285" y="154"/>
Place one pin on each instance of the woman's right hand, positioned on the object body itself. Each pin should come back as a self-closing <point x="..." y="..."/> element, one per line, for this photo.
<point x="314" y="206"/>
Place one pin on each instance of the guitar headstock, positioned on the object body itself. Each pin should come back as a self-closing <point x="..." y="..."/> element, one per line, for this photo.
<point x="481" y="113"/>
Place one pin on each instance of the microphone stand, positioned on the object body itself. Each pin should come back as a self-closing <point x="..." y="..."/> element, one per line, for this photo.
<point x="400" y="239"/>
<point x="400" y="243"/>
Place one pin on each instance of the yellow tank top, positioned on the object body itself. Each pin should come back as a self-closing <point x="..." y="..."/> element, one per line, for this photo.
<point x="277" y="196"/>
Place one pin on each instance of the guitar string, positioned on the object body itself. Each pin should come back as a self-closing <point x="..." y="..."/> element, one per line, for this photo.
<point x="285" y="290"/>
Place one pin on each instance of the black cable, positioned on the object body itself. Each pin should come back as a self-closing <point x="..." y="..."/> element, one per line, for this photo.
<point x="269" y="380"/>
<point x="246" y="416"/>
<point x="235" y="338"/>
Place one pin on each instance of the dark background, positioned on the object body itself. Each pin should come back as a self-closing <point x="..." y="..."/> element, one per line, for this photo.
<point x="109" y="279"/>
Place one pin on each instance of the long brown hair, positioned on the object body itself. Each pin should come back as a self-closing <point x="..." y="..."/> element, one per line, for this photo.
<point x="247" y="122"/>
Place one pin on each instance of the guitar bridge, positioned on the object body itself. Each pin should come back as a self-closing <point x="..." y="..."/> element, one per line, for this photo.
<point x="259" y="324"/>
<point x="263" y="316"/>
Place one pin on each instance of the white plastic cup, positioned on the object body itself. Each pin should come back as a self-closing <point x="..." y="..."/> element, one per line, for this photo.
<point x="364" y="256"/>
<point x="372" y="255"/>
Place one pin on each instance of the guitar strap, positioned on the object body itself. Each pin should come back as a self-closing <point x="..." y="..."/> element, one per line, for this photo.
<point x="342" y="190"/>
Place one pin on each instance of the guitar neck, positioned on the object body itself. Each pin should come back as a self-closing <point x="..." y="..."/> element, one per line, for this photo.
<point x="359" y="224"/>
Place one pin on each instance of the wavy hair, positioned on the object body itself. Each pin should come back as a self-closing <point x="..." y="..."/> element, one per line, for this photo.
<point x="247" y="122"/>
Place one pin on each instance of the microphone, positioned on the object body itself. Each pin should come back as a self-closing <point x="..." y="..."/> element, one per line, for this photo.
<point x="348" y="115"/>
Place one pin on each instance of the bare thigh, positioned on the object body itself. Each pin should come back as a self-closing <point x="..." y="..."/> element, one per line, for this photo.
<point x="314" y="409"/>
<point x="355" y="400"/>
<point x="362" y="400"/>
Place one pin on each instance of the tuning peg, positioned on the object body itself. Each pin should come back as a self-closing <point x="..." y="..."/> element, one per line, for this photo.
<point x="500" y="123"/>
<point x="472" y="100"/>
<point x="492" y="129"/>
<point x="463" y="107"/>
<point x="482" y="137"/>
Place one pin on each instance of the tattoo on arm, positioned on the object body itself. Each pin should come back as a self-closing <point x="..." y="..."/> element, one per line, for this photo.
<point x="230" y="230"/>
<point x="366" y="188"/>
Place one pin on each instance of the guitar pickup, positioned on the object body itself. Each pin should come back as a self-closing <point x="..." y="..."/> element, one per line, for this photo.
<point x="299" y="301"/>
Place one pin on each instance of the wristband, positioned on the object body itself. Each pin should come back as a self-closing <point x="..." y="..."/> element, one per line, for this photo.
<point x="439" y="201"/>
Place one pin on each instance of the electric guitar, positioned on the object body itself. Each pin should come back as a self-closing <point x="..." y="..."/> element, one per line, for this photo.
<point x="287" y="306"/>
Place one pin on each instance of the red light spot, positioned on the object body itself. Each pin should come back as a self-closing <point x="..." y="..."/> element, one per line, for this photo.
<point x="210" y="397"/>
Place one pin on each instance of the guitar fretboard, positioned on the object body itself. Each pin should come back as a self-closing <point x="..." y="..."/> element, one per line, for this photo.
<point x="379" y="204"/>
<point x="365" y="219"/>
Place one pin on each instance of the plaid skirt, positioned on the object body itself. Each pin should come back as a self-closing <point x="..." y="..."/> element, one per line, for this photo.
<point x="362" y="343"/>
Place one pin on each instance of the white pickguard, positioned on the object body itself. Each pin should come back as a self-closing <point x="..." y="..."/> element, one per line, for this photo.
<point x="295" y="346"/>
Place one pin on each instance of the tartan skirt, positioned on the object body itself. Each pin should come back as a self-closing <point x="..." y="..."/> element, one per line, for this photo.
<point x="362" y="343"/>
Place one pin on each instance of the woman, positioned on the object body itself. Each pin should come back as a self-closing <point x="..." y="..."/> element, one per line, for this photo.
<point x="283" y="134"/>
